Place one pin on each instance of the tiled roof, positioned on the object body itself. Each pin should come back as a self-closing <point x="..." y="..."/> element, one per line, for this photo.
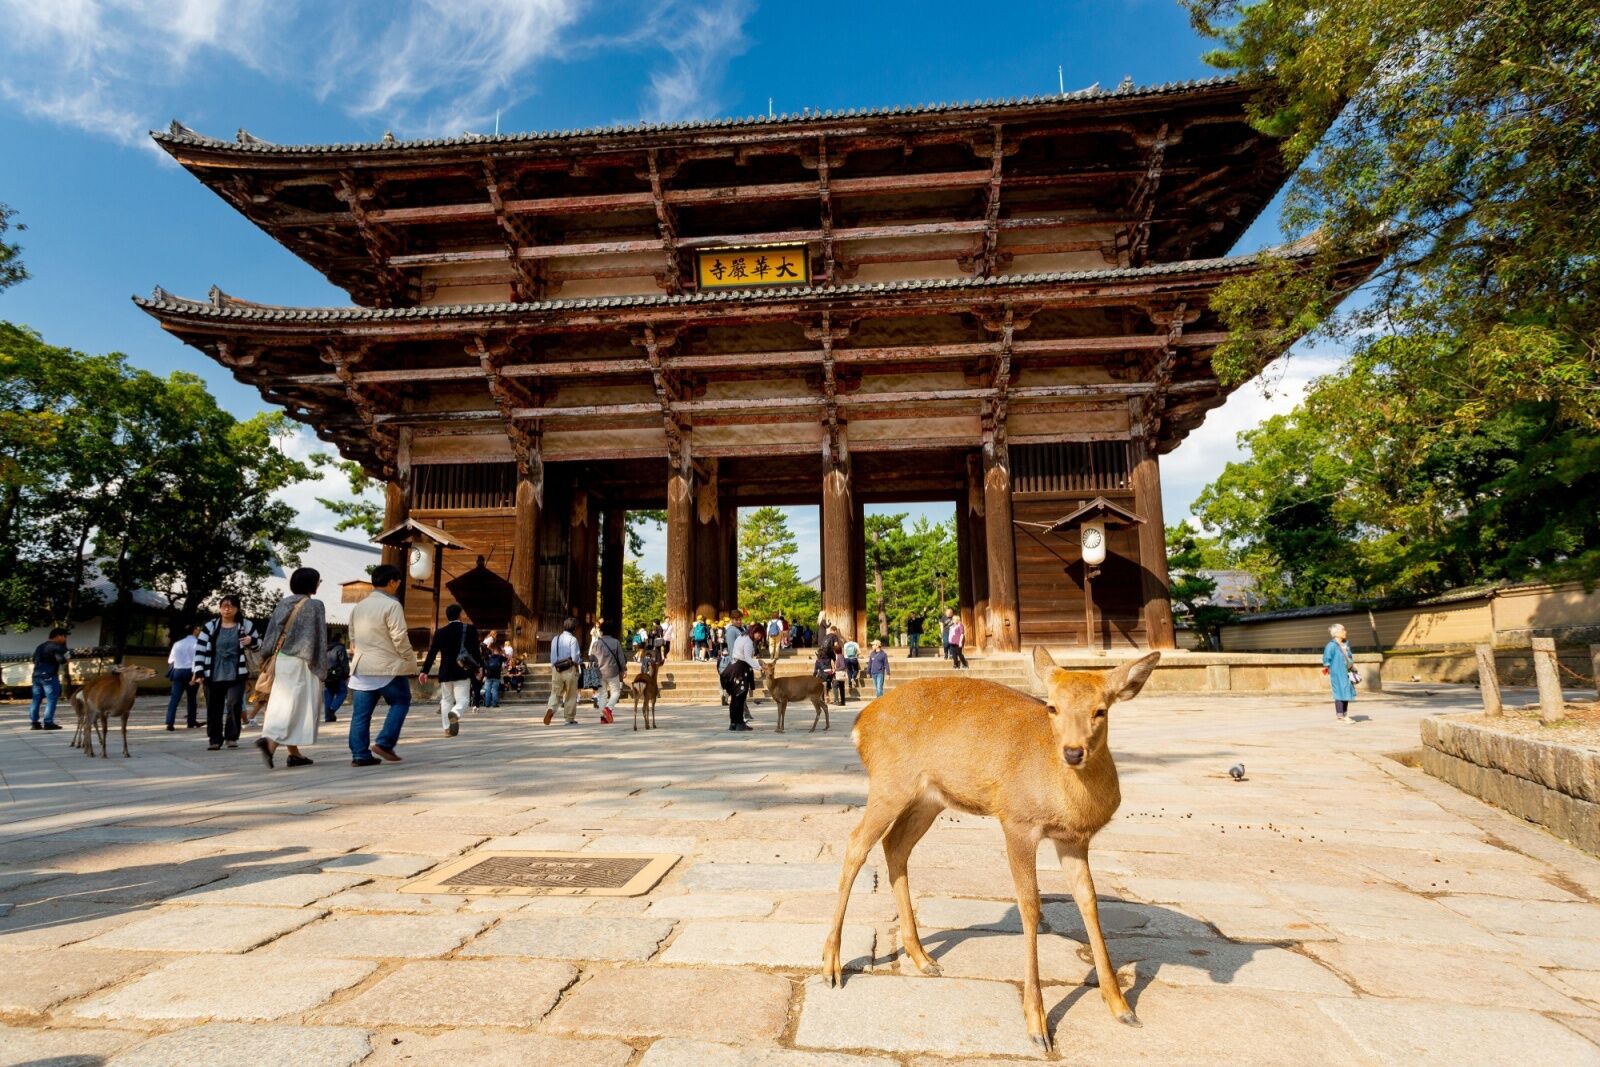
<point x="225" y="309"/>
<point x="178" y="134"/>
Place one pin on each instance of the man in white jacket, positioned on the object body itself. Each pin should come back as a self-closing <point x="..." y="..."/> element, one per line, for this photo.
<point x="382" y="664"/>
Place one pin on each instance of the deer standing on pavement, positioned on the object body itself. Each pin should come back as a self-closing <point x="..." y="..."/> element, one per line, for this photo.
<point x="795" y="688"/>
<point x="102" y="697"/>
<point x="1043" y="768"/>
<point x="646" y="688"/>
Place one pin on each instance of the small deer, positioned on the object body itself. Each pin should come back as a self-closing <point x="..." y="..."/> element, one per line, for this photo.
<point x="647" y="689"/>
<point x="1043" y="768"/>
<point x="795" y="688"/>
<point x="102" y="697"/>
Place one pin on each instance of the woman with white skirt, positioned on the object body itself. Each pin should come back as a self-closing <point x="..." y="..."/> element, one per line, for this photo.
<point x="297" y="638"/>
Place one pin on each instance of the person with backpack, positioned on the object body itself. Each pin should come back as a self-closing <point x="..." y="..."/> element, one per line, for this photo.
<point x="338" y="684"/>
<point x="455" y="646"/>
<point x="739" y="673"/>
<point x="700" y="634"/>
<point x="852" y="664"/>
<point x="494" y="665"/>
<point x="565" y="658"/>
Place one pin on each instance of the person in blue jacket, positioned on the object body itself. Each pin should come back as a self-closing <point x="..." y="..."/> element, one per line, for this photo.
<point x="1339" y="664"/>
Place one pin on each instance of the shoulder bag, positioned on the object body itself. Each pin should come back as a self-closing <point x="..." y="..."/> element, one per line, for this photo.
<point x="261" y="692"/>
<point x="464" y="659"/>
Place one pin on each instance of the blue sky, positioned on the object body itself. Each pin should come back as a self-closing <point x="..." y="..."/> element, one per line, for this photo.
<point x="108" y="216"/>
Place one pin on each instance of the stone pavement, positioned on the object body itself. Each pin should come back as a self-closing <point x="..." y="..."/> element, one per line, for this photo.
<point x="188" y="907"/>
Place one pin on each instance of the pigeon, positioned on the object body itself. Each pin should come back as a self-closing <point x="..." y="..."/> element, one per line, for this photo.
<point x="1236" y="772"/>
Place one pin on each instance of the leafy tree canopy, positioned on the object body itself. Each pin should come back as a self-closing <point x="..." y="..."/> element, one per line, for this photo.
<point x="768" y="579"/>
<point x="11" y="269"/>
<point x="1457" y="139"/>
<point x="644" y="599"/>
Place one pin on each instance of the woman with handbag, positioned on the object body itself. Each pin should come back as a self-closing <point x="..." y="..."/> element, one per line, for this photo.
<point x="1339" y="664"/>
<point x="290" y="684"/>
<point x="220" y="665"/>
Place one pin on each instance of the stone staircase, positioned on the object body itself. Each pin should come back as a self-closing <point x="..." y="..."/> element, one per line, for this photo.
<point x="697" y="683"/>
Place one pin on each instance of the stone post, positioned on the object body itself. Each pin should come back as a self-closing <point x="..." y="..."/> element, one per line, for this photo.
<point x="1489" y="681"/>
<point x="1552" y="705"/>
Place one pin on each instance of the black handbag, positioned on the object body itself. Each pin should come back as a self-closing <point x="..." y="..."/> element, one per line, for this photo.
<point x="464" y="659"/>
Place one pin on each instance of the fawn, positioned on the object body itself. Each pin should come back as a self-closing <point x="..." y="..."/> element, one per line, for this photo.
<point x="647" y="689"/>
<point x="1043" y="768"/>
<point x="783" y="691"/>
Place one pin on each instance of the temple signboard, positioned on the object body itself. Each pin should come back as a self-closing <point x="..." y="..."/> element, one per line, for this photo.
<point x="739" y="268"/>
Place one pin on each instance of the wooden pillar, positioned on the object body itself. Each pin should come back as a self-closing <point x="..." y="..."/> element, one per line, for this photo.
<point x="525" y="567"/>
<point x="709" y="545"/>
<point x="680" y="554"/>
<point x="584" y="571"/>
<point x="613" y="539"/>
<point x="1158" y="626"/>
<point x="397" y="509"/>
<point x="858" y="571"/>
<point x="838" y="577"/>
<point x="977" y="551"/>
<point x="1004" y="635"/>
<point x="729" y="526"/>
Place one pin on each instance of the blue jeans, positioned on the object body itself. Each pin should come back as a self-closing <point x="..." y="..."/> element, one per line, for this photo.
<point x="180" y="689"/>
<point x="397" y="694"/>
<point x="46" y="687"/>
<point x="333" y="696"/>
<point x="877" y="684"/>
<point x="491" y="692"/>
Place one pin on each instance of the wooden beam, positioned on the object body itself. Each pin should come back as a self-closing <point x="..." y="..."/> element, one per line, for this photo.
<point x="665" y="385"/>
<point x="672" y="280"/>
<point x="528" y="287"/>
<point x="394" y="286"/>
<point x="1142" y="203"/>
<point x="991" y="212"/>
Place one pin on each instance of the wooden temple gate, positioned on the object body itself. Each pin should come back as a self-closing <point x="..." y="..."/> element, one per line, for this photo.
<point x="1005" y="305"/>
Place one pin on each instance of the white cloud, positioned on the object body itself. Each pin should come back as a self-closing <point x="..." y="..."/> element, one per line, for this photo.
<point x="302" y="496"/>
<point x="1205" y="452"/>
<point x="115" y="68"/>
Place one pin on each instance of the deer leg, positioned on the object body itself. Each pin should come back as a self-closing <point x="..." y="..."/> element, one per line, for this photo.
<point x="636" y="710"/>
<point x="125" y="753"/>
<point x="878" y="817"/>
<point x="1075" y="862"/>
<point x="822" y="706"/>
<point x="1022" y="849"/>
<point x="897" y="845"/>
<point x="105" y="728"/>
<point x="783" y="707"/>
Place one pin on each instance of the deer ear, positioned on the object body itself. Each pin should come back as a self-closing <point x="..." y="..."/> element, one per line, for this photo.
<point x="1125" y="682"/>
<point x="1043" y="663"/>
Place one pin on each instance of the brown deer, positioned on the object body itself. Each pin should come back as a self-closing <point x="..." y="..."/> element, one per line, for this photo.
<point x="795" y="688"/>
<point x="1043" y="768"/>
<point x="102" y="697"/>
<point x="647" y="688"/>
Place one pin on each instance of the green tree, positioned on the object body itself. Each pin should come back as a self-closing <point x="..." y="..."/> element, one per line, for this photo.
<point x="644" y="598"/>
<point x="1456" y="141"/>
<point x="769" y="581"/>
<point x="635" y="522"/>
<point x="1188" y="554"/>
<point x="888" y="550"/>
<point x="362" y="510"/>
<point x="12" y="270"/>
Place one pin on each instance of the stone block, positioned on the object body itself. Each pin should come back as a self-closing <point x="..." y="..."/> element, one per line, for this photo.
<point x="794" y="946"/>
<point x="947" y="1016"/>
<point x="59" y="1047"/>
<point x="499" y="1049"/>
<point x="281" y="891"/>
<point x="38" y="980"/>
<point x="1418" y="1034"/>
<point x="54" y="924"/>
<point x="773" y="878"/>
<point x="228" y="987"/>
<point x="259" y="1046"/>
<point x="377" y="865"/>
<point x="218" y="929"/>
<point x="381" y="936"/>
<point x="674" y="1052"/>
<point x="711" y="1005"/>
<point x="458" y="993"/>
<point x="712" y="906"/>
<point x="579" y="938"/>
<point x="1220" y="963"/>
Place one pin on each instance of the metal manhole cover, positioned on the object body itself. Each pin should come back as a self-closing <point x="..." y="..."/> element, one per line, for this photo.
<point x="577" y="874"/>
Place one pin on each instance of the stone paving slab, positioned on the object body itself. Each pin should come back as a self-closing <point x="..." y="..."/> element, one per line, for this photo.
<point x="1218" y="963"/>
<point x="797" y="946"/>
<point x="378" y="865"/>
<point x="227" y="987"/>
<point x="476" y="1048"/>
<point x="214" y="929"/>
<point x="21" y="1047"/>
<point x="458" y="993"/>
<point x="380" y="936"/>
<point x="579" y="938"/>
<point x="279" y="891"/>
<point x="774" y="877"/>
<point x="37" y="980"/>
<point x="675" y="1052"/>
<point x="1461" y="977"/>
<point x="713" y="1005"/>
<point x="712" y="906"/>
<point x="948" y="1016"/>
<point x="55" y="924"/>
<point x="1416" y="1034"/>
<point x="258" y="1046"/>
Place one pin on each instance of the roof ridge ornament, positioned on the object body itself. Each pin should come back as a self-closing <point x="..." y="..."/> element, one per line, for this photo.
<point x="178" y="129"/>
<point x="244" y="136"/>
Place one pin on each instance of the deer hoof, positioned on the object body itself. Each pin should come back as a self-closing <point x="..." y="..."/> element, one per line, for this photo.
<point x="1040" y="1041"/>
<point x="931" y="969"/>
<point x="1128" y="1018"/>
